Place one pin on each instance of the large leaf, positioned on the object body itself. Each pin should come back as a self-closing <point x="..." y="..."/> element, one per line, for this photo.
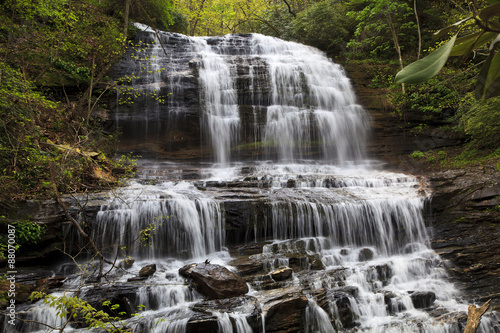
<point x="445" y="31"/>
<point x="426" y="68"/>
<point x="490" y="12"/>
<point x="488" y="82"/>
<point x="481" y="79"/>
<point x="465" y="44"/>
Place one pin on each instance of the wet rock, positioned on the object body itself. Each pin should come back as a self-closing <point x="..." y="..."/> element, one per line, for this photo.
<point x="126" y="263"/>
<point x="282" y="274"/>
<point x="247" y="266"/>
<point x="203" y="319"/>
<point x="298" y="263"/>
<point x="114" y="294"/>
<point x="214" y="281"/>
<point x="384" y="273"/>
<point x="147" y="271"/>
<point x="365" y="254"/>
<point x="393" y="302"/>
<point x="337" y="302"/>
<point x="287" y="314"/>
<point x="23" y="291"/>
<point x="202" y="323"/>
<point x="317" y="264"/>
<point x="47" y="284"/>
<point x="345" y="252"/>
<point x="423" y="299"/>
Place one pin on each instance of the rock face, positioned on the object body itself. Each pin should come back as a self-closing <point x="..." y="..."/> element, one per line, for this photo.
<point x="466" y="224"/>
<point x="215" y="281"/>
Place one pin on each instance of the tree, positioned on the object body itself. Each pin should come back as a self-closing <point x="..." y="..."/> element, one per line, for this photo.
<point x="478" y="33"/>
<point x="219" y="17"/>
<point x="381" y="23"/>
<point x="323" y="25"/>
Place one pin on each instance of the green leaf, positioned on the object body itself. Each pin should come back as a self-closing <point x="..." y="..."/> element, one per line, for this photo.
<point x="493" y="1"/>
<point x="481" y="80"/>
<point x="488" y="84"/>
<point x="490" y="12"/>
<point x="445" y="31"/>
<point x="426" y="68"/>
<point x="465" y="44"/>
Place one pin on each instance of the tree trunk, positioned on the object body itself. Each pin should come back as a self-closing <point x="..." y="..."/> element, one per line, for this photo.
<point x="418" y="28"/>
<point x="125" y="18"/>
<point x="396" y="45"/>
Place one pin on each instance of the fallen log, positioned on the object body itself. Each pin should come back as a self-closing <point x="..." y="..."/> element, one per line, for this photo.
<point x="474" y="317"/>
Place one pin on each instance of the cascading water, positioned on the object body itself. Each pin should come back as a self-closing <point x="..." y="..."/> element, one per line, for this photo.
<point x="259" y="166"/>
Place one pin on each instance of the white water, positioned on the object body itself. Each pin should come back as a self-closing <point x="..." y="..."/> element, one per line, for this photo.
<point x="312" y="198"/>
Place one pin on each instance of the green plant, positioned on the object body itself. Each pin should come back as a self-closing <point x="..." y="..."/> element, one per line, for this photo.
<point x="74" y="308"/>
<point x="25" y="233"/>
<point x="441" y="155"/>
<point x="478" y="31"/>
<point x="417" y="154"/>
<point x="480" y="120"/>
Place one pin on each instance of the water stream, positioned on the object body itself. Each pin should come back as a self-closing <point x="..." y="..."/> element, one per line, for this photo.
<point x="253" y="158"/>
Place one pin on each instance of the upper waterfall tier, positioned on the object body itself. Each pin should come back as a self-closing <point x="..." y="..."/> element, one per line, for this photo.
<point x="236" y="97"/>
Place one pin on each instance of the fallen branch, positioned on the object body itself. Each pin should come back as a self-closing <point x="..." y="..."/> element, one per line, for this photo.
<point x="474" y="317"/>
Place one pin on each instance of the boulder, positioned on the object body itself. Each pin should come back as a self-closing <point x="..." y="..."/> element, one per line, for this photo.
<point x="287" y="314"/>
<point x="423" y="299"/>
<point x="214" y="281"/>
<point x="365" y="254"/>
<point x="282" y="274"/>
<point x="147" y="271"/>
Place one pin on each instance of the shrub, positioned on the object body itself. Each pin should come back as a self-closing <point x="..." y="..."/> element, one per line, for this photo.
<point x="417" y="154"/>
<point x="480" y="120"/>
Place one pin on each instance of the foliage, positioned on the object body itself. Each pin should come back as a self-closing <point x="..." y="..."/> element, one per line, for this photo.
<point x="324" y="25"/>
<point x="481" y="121"/>
<point x="219" y="17"/>
<point x="276" y="22"/>
<point x="438" y="98"/>
<point x="26" y="233"/>
<point x="53" y="56"/>
<point x="378" y="24"/>
<point x="478" y="31"/>
<point x="417" y="154"/>
<point x="74" y="308"/>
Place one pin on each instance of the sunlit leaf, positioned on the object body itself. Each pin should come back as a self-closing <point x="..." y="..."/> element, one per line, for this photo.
<point x="426" y="68"/>
<point x="490" y="12"/>
<point x="445" y="31"/>
<point x="464" y="44"/>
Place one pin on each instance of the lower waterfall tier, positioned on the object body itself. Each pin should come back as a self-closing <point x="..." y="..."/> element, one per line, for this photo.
<point x="321" y="249"/>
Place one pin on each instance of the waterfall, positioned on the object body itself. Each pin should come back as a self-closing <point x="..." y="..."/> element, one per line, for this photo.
<point x="253" y="158"/>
